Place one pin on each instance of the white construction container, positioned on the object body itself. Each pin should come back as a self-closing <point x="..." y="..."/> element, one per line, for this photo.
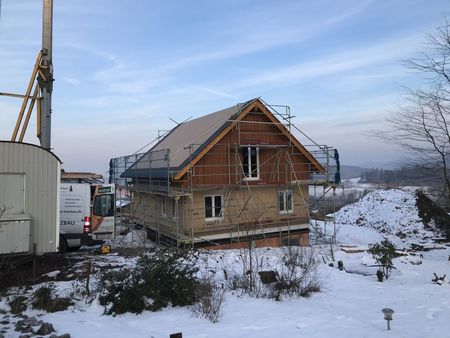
<point x="29" y="199"/>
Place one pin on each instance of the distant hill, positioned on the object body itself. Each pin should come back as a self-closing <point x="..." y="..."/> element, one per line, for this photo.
<point x="351" y="171"/>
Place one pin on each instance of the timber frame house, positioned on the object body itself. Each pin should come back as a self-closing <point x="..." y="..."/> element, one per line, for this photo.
<point x="227" y="179"/>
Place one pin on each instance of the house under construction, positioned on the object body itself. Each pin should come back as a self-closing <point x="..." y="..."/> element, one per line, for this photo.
<point x="226" y="179"/>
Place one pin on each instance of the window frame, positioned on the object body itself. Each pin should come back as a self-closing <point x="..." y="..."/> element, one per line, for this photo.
<point x="213" y="208"/>
<point x="249" y="164"/>
<point x="284" y="194"/>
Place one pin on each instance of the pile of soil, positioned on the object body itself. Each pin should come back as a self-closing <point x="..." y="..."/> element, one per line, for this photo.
<point x="432" y="215"/>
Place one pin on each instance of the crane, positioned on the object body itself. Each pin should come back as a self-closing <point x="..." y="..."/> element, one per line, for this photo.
<point x="40" y="87"/>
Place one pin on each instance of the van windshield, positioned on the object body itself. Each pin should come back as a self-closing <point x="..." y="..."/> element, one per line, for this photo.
<point x="104" y="205"/>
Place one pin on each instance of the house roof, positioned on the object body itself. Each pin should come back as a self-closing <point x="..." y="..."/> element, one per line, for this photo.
<point x="198" y="135"/>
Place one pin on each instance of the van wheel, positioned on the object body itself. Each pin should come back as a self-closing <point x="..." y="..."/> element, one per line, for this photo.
<point x="63" y="246"/>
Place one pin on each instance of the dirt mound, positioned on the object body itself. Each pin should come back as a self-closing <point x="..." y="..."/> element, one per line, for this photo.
<point x="393" y="213"/>
<point x="431" y="214"/>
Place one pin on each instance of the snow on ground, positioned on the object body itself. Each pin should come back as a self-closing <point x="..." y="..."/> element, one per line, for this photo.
<point x="392" y="213"/>
<point x="135" y="238"/>
<point x="349" y="304"/>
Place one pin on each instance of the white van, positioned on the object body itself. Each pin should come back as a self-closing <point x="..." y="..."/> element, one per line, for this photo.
<point x="87" y="214"/>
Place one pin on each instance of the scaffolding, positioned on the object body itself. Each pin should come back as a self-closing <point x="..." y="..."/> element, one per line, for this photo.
<point x="173" y="210"/>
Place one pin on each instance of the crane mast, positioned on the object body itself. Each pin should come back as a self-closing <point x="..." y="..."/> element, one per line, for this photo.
<point x="45" y="77"/>
<point x="40" y="87"/>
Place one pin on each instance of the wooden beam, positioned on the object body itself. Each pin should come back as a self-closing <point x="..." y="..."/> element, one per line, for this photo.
<point x="27" y="96"/>
<point x="20" y="96"/>
<point x="27" y="117"/>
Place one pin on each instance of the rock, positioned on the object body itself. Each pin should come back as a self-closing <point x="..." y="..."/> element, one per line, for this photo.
<point x="268" y="277"/>
<point x="4" y="322"/>
<point x="65" y="335"/>
<point x="2" y="336"/>
<point x="31" y="321"/>
<point x="34" y="322"/>
<point x="27" y="329"/>
<point x="25" y="325"/>
<point x="45" y="329"/>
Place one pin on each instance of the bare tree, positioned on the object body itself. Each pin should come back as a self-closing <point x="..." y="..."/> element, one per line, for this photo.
<point x="422" y="125"/>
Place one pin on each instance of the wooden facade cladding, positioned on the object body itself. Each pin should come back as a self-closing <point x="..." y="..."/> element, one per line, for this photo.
<point x="240" y="212"/>
<point x="280" y="161"/>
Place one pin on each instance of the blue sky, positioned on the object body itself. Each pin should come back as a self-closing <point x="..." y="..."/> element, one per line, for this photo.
<point x="122" y="68"/>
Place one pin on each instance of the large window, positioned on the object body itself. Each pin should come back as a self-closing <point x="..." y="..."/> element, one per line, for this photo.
<point x="213" y="207"/>
<point x="103" y="205"/>
<point x="285" y="201"/>
<point x="250" y="162"/>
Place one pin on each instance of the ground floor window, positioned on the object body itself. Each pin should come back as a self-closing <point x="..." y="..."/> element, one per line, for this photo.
<point x="173" y="209"/>
<point x="162" y="200"/>
<point x="213" y="207"/>
<point x="285" y="201"/>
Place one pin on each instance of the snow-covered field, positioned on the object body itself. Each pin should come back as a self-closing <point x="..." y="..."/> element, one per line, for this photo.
<point x="349" y="304"/>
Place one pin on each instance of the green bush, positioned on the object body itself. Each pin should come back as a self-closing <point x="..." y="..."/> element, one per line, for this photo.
<point x="161" y="278"/>
<point x="383" y="253"/>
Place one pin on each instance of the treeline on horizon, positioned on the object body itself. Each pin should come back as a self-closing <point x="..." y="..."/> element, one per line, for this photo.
<point x="414" y="176"/>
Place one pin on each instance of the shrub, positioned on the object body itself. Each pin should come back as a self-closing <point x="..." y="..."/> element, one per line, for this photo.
<point x="161" y="278"/>
<point x="18" y="305"/>
<point x="299" y="275"/>
<point x="45" y="299"/>
<point x="210" y="297"/>
<point x="383" y="253"/>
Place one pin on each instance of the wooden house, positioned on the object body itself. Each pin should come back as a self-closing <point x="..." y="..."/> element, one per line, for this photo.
<point x="227" y="179"/>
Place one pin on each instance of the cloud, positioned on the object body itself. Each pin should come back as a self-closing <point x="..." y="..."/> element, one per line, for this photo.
<point x="216" y="92"/>
<point x="71" y="80"/>
<point x="346" y="61"/>
<point x="121" y="77"/>
<point x="89" y="49"/>
<point x="245" y="42"/>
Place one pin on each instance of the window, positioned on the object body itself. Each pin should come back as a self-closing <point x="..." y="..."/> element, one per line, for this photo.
<point x="163" y="206"/>
<point x="173" y="208"/>
<point x="104" y="205"/>
<point x="285" y="202"/>
<point x="213" y="207"/>
<point x="250" y="162"/>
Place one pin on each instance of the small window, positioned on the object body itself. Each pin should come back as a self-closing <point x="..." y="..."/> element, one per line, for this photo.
<point x="173" y="208"/>
<point x="163" y="206"/>
<point x="213" y="207"/>
<point x="285" y="201"/>
<point x="250" y="162"/>
<point x="103" y="205"/>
